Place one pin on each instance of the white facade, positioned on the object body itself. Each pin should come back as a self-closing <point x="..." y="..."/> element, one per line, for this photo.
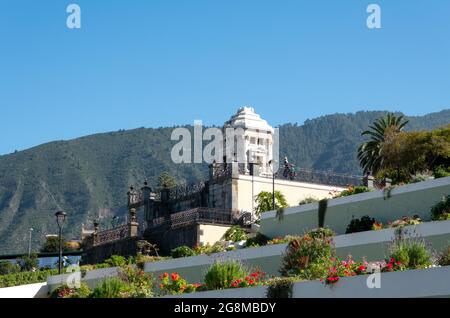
<point x="257" y="140"/>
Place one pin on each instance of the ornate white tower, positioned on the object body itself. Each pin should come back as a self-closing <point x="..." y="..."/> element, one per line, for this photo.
<point x="258" y="139"/>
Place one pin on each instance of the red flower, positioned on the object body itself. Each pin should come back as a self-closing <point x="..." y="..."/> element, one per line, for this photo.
<point x="165" y="275"/>
<point x="361" y="268"/>
<point x="175" y="276"/>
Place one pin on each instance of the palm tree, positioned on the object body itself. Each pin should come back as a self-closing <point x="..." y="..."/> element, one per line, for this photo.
<point x="369" y="153"/>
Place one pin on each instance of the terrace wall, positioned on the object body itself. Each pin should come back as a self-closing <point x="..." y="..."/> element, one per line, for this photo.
<point x="408" y="200"/>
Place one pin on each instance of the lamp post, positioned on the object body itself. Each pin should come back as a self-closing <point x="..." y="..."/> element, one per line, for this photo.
<point x="60" y="218"/>
<point x="272" y="169"/>
<point x="29" y="242"/>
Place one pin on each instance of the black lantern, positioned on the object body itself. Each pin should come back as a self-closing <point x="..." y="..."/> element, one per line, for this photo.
<point x="60" y="219"/>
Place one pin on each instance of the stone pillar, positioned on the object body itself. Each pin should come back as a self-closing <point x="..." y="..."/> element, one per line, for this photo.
<point x="235" y="170"/>
<point x="369" y="181"/>
<point x="133" y="225"/>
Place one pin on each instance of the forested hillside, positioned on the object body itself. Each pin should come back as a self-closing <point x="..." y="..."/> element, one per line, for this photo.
<point x="88" y="177"/>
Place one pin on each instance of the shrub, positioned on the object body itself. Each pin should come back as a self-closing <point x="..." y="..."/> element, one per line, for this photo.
<point x="182" y="251"/>
<point x="366" y="223"/>
<point x="282" y="240"/>
<point x="444" y="257"/>
<point x="139" y="282"/>
<point x="28" y="263"/>
<point x="235" y="234"/>
<point x="112" y="287"/>
<point x="411" y="253"/>
<point x="24" y="278"/>
<point x="392" y="266"/>
<point x="321" y="232"/>
<point x="308" y="200"/>
<point x="256" y="278"/>
<point x="307" y="257"/>
<point x="257" y="240"/>
<point x="441" y="172"/>
<point x="217" y="247"/>
<point x="141" y="259"/>
<point x="281" y="287"/>
<point x="344" y="268"/>
<point x="116" y="261"/>
<point x="441" y="210"/>
<point x="221" y="275"/>
<point x="405" y="221"/>
<point x="65" y="291"/>
<point x="174" y="284"/>
<point x="264" y="202"/>
<point x="8" y="268"/>
<point x="351" y="190"/>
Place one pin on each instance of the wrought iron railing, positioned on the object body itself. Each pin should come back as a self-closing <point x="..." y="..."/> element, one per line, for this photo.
<point x="198" y="215"/>
<point x="111" y="235"/>
<point x="321" y="177"/>
<point x="185" y="190"/>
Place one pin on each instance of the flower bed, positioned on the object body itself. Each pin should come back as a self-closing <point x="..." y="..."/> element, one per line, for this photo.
<point x="431" y="282"/>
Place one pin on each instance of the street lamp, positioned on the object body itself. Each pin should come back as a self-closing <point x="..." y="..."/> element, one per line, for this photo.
<point x="272" y="169"/>
<point x="29" y="242"/>
<point x="60" y="218"/>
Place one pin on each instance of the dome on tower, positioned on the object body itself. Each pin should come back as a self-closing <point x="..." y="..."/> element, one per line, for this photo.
<point x="246" y="118"/>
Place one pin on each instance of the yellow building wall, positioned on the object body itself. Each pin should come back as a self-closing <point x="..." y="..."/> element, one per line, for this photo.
<point x="210" y="234"/>
<point x="294" y="192"/>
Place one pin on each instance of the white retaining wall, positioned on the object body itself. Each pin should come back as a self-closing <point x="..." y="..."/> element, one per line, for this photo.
<point x="39" y="290"/>
<point x="408" y="200"/>
<point x="432" y="282"/>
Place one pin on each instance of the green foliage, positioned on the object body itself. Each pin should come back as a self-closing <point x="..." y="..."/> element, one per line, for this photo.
<point x="139" y="282"/>
<point x="221" y="275"/>
<point x="411" y="253"/>
<point x="321" y="233"/>
<point x="281" y="287"/>
<point x="441" y="172"/>
<point x="8" y="268"/>
<point x="369" y="153"/>
<point x="257" y="240"/>
<point x="412" y="156"/>
<point x="65" y="291"/>
<point x="116" y="261"/>
<point x="264" y="202"/>
<point x="165" y="180"/>
<point x="112" y="287"/>
<point x="93" y="173"/>
<point x="140" y="259"/>
<point x="28" y="263"/>
<point x="366" y="223"/>
<point x="24" y="278"/>
<point x="307" y="258"/>
<point x="182" y="251"/>
<point x="444" y="257"/>
<point x="308" y="200"/>
<point x="353" y="190"/>
<point x="174" y="284"/>
<point x="235" y="234"/>
<point x="441" y="210"/>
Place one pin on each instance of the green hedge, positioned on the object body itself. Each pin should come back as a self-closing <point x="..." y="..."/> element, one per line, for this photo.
<point x="24" y="278"/>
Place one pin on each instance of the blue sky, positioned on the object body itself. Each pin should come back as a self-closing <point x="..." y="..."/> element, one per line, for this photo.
<point x="157" y="63"/>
